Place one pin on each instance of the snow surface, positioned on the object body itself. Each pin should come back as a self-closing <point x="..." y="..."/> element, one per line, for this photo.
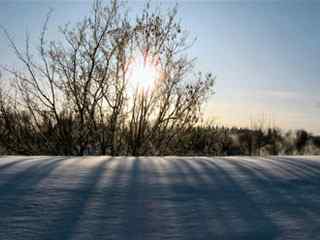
<point x="159" y="198"/>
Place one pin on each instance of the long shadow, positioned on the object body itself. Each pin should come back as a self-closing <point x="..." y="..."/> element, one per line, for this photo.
<point x="126" y="201"/>
<point x="12" y="163"/>
<point x="308" y="167"/>
<point x="237" y="212"/>
<point x="164" y="208"/>
<point x="113" y="220"/>
<point x="161" y="202"/>
<point x="135" y="198"/>
<point x="201" y="200"/>
<point x="16" y="190"/>
<point x="130" y="201"/>
<point x="283" y="200"/>
<point x="304" y="189"/>
<point x="29" y="176"/>
<point x="193" y="192"/>
<point x="65" y="218"/>
<point x="157" y="204"/>
<point x="117" y="198"/>
<point x="295" y="171"/>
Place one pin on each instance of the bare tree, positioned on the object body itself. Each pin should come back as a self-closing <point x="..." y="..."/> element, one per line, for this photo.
<point x="77" y="89"/>
<point x="173" y="104"/>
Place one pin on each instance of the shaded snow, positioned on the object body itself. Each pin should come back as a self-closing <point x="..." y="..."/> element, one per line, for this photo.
<point x="159" y="198"/>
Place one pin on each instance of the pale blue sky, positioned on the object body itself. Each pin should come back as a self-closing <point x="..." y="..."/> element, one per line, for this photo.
<point x="266" y="54"/>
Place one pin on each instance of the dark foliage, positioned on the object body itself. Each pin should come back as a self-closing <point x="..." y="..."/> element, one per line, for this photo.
<point x="17" y="136"/>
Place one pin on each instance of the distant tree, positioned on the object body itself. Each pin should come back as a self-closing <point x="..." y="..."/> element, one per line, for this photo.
<point x="302" y="138"/>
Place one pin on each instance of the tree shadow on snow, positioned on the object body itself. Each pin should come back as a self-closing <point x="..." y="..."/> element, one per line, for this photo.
<point x="160" y="198"/>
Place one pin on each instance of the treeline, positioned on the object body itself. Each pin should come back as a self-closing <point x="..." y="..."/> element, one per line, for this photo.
<point x="222" y="141"/>
<point x="19" y="136"/>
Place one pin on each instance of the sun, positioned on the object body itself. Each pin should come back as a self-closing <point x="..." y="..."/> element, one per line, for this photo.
<point x="144" y="71"/>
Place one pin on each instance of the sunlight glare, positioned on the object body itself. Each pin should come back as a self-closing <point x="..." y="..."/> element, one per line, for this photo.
<point x="144" y="72"/>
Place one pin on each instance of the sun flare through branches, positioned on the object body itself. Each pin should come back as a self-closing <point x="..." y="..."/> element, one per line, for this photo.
<point x="144" y="71"/>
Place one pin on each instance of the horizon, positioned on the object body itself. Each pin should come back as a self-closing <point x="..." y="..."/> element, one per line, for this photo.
<point x="263" y="54"/>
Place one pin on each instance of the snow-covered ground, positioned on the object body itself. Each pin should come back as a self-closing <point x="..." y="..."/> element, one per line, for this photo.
<point x="159" y="198"/>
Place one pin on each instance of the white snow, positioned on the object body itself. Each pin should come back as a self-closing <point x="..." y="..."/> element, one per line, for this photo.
<point x="159" y="198"/>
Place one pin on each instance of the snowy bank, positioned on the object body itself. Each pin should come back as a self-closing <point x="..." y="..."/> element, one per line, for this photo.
<point x="159" y="198"/>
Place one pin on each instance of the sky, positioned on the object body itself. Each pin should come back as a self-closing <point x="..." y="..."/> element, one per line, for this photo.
<point x="265" y="54"/>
